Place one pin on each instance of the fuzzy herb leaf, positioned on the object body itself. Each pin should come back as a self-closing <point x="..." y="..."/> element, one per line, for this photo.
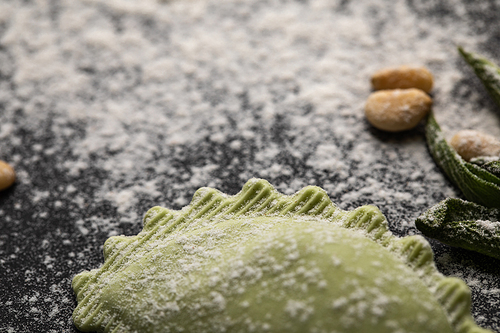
<point x="477" y="184"/>
<point x="463" y="224"/>
<point x="488" y="72"/>
<point x="490" y="166"/>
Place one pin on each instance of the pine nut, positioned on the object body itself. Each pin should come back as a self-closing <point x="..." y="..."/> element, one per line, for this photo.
<point x="7" y="175"/>
<point x="470" y="144"/>
<point x="403" y="77"/>
<point x="397" y="110"/>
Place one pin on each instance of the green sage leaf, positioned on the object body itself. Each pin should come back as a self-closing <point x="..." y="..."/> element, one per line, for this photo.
<point x="477" y="184"/>
<point x="488" y="72"/>
<point x="463" y="224"/>
<point x="490" y="166"/>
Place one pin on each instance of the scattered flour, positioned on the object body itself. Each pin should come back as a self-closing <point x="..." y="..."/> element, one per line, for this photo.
<point x="110" y="107"/>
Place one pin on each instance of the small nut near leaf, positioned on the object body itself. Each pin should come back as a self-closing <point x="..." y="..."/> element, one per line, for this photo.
<point x="403" y="77"/>
<point x="470" y="144"/>
<point x="397" y="110"/>
<point x="7" y="175"/>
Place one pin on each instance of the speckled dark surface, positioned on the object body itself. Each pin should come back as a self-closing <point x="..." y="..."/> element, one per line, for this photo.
<point x="42" y="247"/>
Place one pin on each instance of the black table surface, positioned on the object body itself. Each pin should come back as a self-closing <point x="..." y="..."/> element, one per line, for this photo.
<point x="87" y="171"/>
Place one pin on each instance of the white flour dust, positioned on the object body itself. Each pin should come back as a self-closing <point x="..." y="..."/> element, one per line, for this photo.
<point x="108" y="108"/>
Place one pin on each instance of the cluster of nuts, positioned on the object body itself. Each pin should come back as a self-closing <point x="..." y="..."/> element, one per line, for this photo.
<point x="400" y="100"/>
<point x="7" y="175"/>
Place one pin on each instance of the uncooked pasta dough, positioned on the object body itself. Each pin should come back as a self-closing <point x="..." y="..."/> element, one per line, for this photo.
<point x="262" y="261"/>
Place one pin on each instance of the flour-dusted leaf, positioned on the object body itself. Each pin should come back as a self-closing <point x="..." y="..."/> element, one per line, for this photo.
<point x="261" y="261"/>
<point x="463" y="224"/>
<point x="477" y="184"/>
<point x="488" y="72"/>
<point x="492" y="167"/>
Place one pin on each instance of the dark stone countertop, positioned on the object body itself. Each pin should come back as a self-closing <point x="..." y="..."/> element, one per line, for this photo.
<point x="110" y="108"/>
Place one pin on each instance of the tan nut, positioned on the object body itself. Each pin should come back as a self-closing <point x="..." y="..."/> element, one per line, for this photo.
<point x="403" y="77"/>
<point x="470" y="144"/>
<point x="397" y="110"/>
<point x="7" y="175"/>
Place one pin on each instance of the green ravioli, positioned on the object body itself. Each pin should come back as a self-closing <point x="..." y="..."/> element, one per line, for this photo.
<point x="261" y="261"/>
